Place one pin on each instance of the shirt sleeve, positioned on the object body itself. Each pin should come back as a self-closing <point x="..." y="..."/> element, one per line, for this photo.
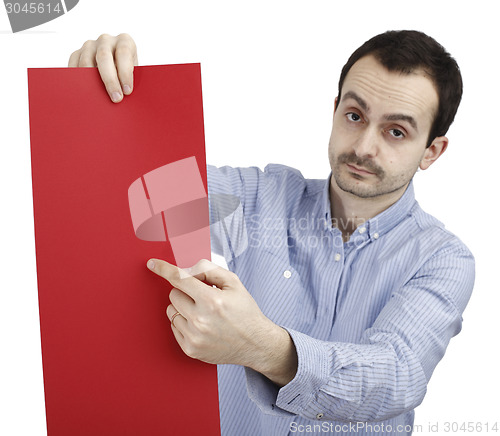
<point x="232" y="195"/>
<point x="386" y="374"/>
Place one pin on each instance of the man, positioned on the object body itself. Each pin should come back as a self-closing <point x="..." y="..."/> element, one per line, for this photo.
<point x="353" y="291"/>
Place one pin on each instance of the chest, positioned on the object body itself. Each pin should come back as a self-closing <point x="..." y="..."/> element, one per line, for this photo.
<point x="314" y="283"/>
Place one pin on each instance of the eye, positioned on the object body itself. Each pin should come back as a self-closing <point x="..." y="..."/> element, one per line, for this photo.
<point x="396" y="133"/>
<point x="353" y="116"/>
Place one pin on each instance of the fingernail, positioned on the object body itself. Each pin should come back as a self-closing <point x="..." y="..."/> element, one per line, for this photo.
<point x="127" y="89"/>
<point x="116" y="97"/>
<point x="151" y="264"/>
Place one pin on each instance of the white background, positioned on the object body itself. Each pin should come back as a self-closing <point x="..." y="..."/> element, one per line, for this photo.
<point x="270" y="72"/>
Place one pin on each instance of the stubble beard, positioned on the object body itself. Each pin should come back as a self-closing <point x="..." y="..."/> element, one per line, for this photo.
<point x="348" y="182"/>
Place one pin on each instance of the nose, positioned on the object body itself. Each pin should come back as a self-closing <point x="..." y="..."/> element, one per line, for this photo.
<point x="367" y="143"/>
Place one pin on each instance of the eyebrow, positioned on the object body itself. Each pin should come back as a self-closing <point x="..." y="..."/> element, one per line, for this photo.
<point x="402" y="117"/>
<point x="357" y="98"/>
<point x="390" y="117"/>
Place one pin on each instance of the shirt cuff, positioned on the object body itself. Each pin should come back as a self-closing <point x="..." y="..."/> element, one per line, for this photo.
<point x="313" y="372"/>
<point x="263" y="392"/>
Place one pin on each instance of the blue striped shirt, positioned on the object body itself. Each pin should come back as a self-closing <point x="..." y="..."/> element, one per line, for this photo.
<point x="370" y="318"/>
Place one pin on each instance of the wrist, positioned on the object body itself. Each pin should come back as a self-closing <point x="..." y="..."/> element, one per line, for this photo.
<point x="276" y="356"/>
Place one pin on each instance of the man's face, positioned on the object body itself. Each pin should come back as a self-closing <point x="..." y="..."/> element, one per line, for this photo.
<point x="380" y="129"/>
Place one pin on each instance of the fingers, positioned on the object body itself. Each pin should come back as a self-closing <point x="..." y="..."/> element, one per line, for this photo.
<point x="212" y="274"/>
<point x="182" y="303"/>
<point x="197" y="280"/>
<point x="105" y="60"/>
<point x="115" y="58"/>
<point x="74" y="59"/>
<point x="125" y="59"/>
<point x="178" y="278"/>
<point x="178" y="322"/>
<point x="86" y="55"/>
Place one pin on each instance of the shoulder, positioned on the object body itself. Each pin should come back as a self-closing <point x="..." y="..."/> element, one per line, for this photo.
<point x="291" y="180"/>
<point x="447" y="258"/>
<point x="420" y="241"/>
<point x="280" y="172"/>
<point x="433" y="229"/>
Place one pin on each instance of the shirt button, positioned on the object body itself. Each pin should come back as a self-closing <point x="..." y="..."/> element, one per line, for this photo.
<point x="376" y="235"/>
<point x="287" y="274"/>
<point x="319" y="416"/>
<point x="362" y="230"/>
<point x="338" y="256"/>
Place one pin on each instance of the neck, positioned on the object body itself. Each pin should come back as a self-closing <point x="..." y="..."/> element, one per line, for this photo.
<point x="349" y="211"/>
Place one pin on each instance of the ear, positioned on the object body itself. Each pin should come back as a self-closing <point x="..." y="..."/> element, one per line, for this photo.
<point x="335" y="106"/>
<point x="432" y="153"/>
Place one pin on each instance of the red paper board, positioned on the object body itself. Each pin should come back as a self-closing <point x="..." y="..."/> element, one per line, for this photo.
<point x="110" y="362"/>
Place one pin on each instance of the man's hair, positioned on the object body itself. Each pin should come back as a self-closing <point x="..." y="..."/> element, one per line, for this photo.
<point x="406" y="51"/>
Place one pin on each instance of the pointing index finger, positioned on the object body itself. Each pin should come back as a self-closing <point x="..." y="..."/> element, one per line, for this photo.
<point x="178" y="278"/>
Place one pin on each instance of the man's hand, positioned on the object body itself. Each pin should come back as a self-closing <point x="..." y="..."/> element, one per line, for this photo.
<point x="219" y="322"/>
<point x="115" y="57"/>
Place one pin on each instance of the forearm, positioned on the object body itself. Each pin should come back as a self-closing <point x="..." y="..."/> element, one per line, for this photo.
<point x="274" y="356"/>
<point x="354" y="382"/>
<point x="343" y="382"/>
<point x="384" y="373"/>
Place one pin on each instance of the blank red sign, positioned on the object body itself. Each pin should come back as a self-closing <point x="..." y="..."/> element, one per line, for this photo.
<point x="111" y="364"/>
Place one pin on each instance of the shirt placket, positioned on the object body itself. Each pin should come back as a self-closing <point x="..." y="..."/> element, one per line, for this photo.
<point x="328" y="288"/>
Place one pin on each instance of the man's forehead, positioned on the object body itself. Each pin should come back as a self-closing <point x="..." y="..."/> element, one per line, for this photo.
<point x="377" y="86"/>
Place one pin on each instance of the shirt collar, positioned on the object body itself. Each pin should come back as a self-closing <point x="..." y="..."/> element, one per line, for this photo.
<point x="379" y="224"/>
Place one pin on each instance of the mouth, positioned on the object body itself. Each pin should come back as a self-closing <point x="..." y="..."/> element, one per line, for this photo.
<point x="357" y="170"/>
